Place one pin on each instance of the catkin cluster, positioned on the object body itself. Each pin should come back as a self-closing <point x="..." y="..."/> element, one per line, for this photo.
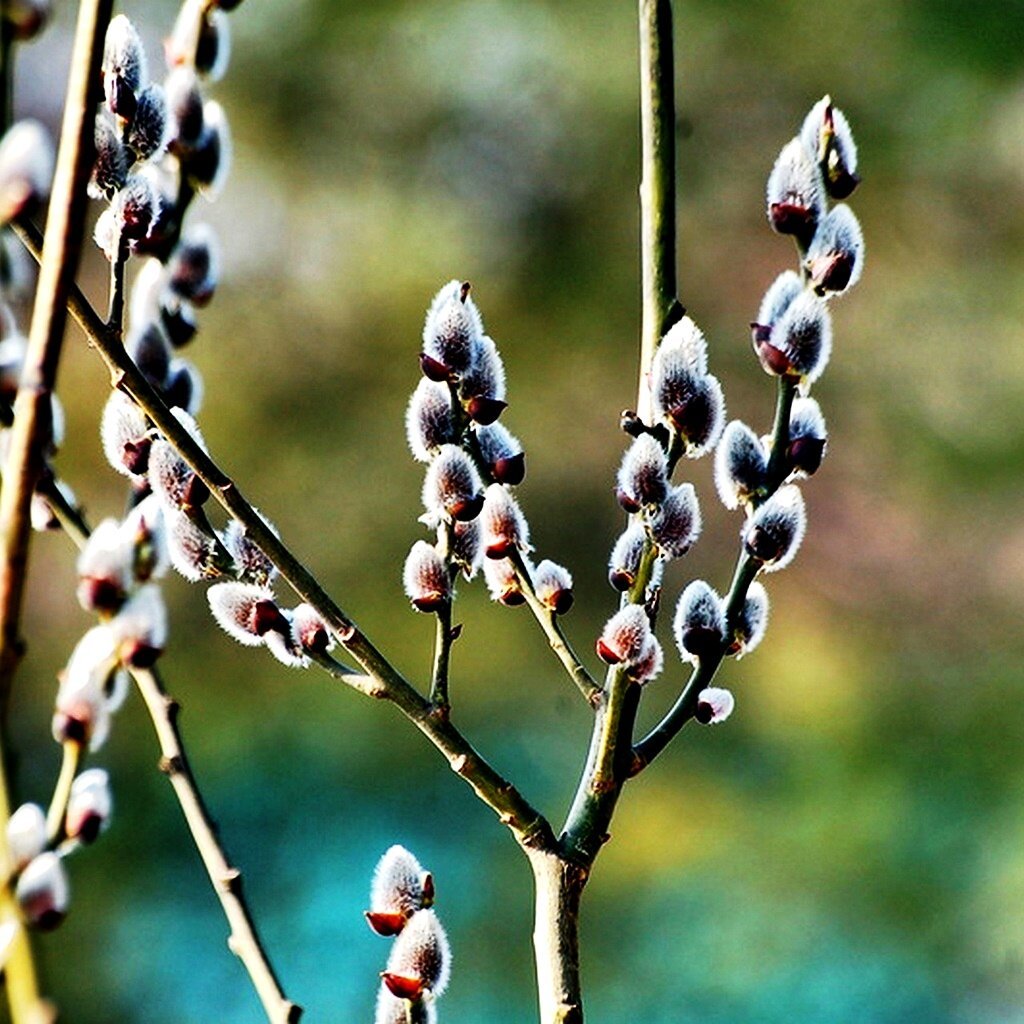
<point x="473" y="462"/>
<point x="419" y="966"/>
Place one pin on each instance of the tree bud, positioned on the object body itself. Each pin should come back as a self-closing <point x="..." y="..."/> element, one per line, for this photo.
<point x="283" y="642"/>
<point x="89" y="806"/>
<point x="184" y="387"/>
<point x="553" y="585"/>
<point x="625" y="636"/>
<point x="452" y="488"/>
<point x="625" y="558"/>
<point x="503" y="454"/>
<point x="741" y="466"/>
<point x="184" y="107"/>
<point x="213" y="51"/>
<point x="135" y="207"/>
<point x="643" y="474"/>
<point x="400" y="888"/>
<point x="147" y="135"/>
<point x="125" y="435"/>
<point x="140" y="627"/>
<point x="504" y="527"/>
<point x="686" y="339"/>
<point x="752" y="622"/>
<point x="246" y="612"/>
<point x="420" y="959"/>
<point x="26" y="168"/>
<point x="82" y="711"/>
<point x="676" y="525"/>
<point x="104" y="569"/>
<point x="26" y="835"/>
<point x="170" y="476"/>
<point x="826" y="135"/>
<point x="193" y="552"/>
<point x="835" y="259"/>
<point x="123" y="67"/>
<point x="649" y="663"/>
<point x="794" y="195"/>
<point x="208" y="163"/>
<point x="145" y="535"/>
<point x="425" y="578"/>
<point x="714" y="705"/>
<point x="251" y="564"/>
<point x="699" y="623"/>
<point x="42" y="892"/>
<point x="193" y="268"/>
<point x="26" y="17"/>
<point x="801" y="341"/>
<point x="148" y="348"/>
<point x="467" y="551"/>
<point x="311" y="630"/>
<point x="808" y="438"/>
<point x="428" y="419"/>
<point x="110" y="171"/>
<point x="482" y="386"/>
<point x="774" y="532"/>
<point x="502" y="582"/>
<point x="453" y="329"/>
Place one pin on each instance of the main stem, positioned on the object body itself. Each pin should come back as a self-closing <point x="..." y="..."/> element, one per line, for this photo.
<point x="560" y="875"/>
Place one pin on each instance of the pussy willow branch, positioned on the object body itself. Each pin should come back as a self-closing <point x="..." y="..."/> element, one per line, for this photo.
<point x="244" y="940"/>
<point x="746" y="569"/>
<point x="527" y="824"/>
<point x="71" y="759"/>
<point x="610" y="758"/>
<point x="226" y="879"/>
<point x="32" y="417"/>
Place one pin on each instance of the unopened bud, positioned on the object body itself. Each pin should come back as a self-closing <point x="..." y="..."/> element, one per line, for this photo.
<point x="82" y="711"/>
<point x="502" y="582"/>
<point x="687" y="340"/>
<point x="89" y="806"/>
<point x="826" y="135"/>
<point x="504" y="527"/>
<point x="145" y="535"/>
<point x="625" y="635"/>
<point x="104" y="569"/>
<point x="42" y="892"/>
<point x="808" y="437"/>
<point x="140" y="627"/>
<point x="643" y="475"/>
<point x="400" y="887"/>
<point x="625" y="558"/>
<point x="483" y="385"/>
<point x="794" y="195"/>
<point x="26" y="168"/>
<point x="184" y="107"/>
<point x="213" y="50"/>
<point x="503" y="454"/>
<point x="148" y="348"/>
<point x="699" y="623"/>
<point x="553" y="585"/>
<point x="311" y="630"/>
<point x="835" y="259"/>
<point x="135" y="207"/>
<point x="676" y="525"/>
<point x="251" y="564"/>
<point x="170" y="475"/>
<point x="208" y="163"/>
<point x="178" y="319"/>
<point x="752" y="621"/>
<point x="106" y="235"/>
<point x="283" y="643"/>
<point x="110" y="171"/>
<point x="428" y="419"/>
<point x="741" y="466"/>
<point x="801" y="342"/>
<point x="649" y="663"/>
<point x="193" y="552"/>
<point x="148" y="133"/>
<point x="425" y="578"/>
<point x="691" y="402"/>
<point x="774" y="532"/>
<point x="184" y="387"/>
<point x="125" y="435"/>
<point x="714" y="705"/>
<point x="26" y="835"/>
<point x="467" y="551"/>
<point x="193" y="268"/>
<point x="420" y="959"/>
<point x="26" y="17"/>
<point x="124" y="61"/>
<point x="452" y="488"/>
<point x="246" y="612"/>
<point x="453" y="329"/>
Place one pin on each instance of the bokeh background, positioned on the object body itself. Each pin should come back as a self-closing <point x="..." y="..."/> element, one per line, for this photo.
<point x="850" y="846"/>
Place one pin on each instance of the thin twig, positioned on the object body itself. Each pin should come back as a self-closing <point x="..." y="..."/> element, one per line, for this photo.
<point x="71" y="759"/>
<point x="527" y="824"/>
<point x="32" y="417"/>
<point x="226" y="879"/>
<point x="443" y="639"/>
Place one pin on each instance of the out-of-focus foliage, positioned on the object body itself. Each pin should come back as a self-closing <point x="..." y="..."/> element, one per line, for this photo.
<point x="850" y="845"/>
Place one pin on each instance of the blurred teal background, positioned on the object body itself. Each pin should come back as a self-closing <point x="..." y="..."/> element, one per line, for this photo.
<point x="850" y="846"/>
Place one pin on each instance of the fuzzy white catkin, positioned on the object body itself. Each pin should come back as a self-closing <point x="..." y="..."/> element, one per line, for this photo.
<point x="233" y="606"/>
<point x="782" y="519"/>
<point x="397" y="886"/>
<point x="625" y="635"/>
<point x="422" y="951"/>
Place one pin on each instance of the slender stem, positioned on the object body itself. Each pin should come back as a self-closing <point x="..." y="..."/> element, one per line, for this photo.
<point x="243" y="941"/>
<point x="24" y="464"/>
<point x="70" y="518"/>
<point x="556" y="638"/>
<point x="658" y="184"/>
<point x="777" y="468"/>
<point x="115" y="312"/>
<point x="442" y="657"/>
<point x="70" y="762"/>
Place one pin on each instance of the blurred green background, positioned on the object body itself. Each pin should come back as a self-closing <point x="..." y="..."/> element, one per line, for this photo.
<point x="850" y="846"/>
